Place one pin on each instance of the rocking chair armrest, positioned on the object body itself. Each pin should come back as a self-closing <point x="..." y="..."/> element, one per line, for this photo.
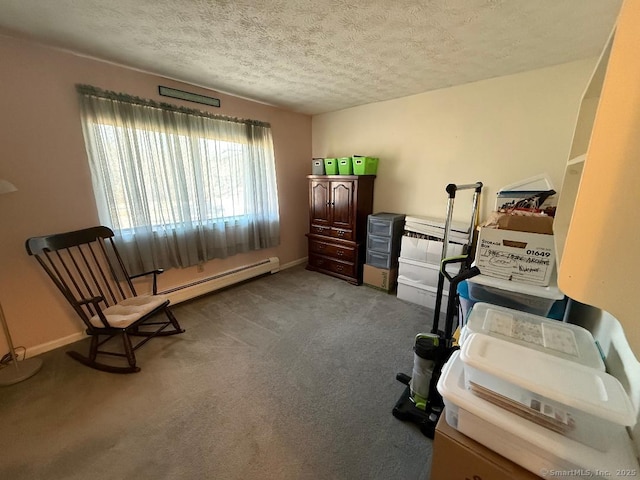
<point x="96" y="303"/>
<point x="155" y="274"/>
<point x="94" y="300"/>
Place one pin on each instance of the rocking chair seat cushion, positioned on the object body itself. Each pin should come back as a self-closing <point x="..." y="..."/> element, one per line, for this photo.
<point x="128" y="311"/>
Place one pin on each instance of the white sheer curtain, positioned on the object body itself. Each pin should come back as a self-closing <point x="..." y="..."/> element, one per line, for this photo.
<point x="179" y="187"/>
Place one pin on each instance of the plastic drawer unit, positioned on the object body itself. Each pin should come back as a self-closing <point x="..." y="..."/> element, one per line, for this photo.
<point x="381" y="260"/>
<point x="377" y="243"/>
<point x="386" y="224"/>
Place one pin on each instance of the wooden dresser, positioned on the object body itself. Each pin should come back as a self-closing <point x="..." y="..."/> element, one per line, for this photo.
<point x="338" y="209"/>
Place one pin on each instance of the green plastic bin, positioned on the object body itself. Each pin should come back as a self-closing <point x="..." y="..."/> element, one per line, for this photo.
<point x="365" y="165"/>
<point x="331" y="166"/>
<point x="345" y="166"/>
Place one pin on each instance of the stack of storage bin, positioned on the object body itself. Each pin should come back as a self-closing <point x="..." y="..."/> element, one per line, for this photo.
<point x="517" y="259"/>
<point x="517" y="267"/>
<point x="354" y="165"/>
<point x="535" y="391"/>
<point x="384" y="231"/>
<point x="420" y="256"/>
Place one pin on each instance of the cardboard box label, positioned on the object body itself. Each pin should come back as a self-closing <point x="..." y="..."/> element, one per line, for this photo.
<point x="519" y="256"/>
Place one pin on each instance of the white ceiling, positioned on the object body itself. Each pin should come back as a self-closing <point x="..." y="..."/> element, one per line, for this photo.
<point x="316" y="56"/>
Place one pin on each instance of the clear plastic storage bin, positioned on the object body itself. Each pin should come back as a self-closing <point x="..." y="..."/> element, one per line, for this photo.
<point x="563" y="340"/>
<point x="519" y="296"/>
<point x="524" y="442"/>
<point x="579" y="402"/>
<point x="377" y="243"/>
<point x="381" y="260"/>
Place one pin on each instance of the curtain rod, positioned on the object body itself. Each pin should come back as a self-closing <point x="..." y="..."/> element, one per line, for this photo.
<point x="90" y="90"/>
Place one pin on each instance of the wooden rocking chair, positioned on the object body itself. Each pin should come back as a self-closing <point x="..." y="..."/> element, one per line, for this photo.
<point x="87" y="269"/>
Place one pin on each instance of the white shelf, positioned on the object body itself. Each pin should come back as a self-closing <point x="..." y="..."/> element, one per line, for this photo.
<point x="577" y="156"/>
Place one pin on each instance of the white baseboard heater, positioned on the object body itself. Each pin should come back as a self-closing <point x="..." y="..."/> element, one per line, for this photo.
<point x="221" y="280"/>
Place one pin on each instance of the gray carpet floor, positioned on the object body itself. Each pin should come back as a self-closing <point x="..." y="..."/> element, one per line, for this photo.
<point x="288" y="376"/>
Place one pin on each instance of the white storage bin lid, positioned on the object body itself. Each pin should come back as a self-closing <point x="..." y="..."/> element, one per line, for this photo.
<point x="619" y="457"/>
<point x="434" y="227"/>
<point x="577" y="386"/>
<point x="437" y="223"/>
<point x="563" y="340"/>
<point x="551" y="292"/>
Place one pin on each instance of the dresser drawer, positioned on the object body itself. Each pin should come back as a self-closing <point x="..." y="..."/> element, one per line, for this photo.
<point x="336" y="266"/>
<point x="320" y="229"/>
<point x="332" y="250"/>
<point x="343" y="233"/>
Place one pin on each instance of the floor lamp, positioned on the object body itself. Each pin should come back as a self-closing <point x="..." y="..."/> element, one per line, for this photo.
<point x="18" y="371"/>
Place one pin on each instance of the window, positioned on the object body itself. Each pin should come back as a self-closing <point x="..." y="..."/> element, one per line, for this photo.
<point x="179" y="187"/>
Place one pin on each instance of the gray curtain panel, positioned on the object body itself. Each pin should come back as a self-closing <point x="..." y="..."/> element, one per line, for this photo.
<point x="179" y="186"/>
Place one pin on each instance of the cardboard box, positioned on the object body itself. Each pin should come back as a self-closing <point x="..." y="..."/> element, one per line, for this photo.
<point x="526" y="223"/>
<point x="518" y="256"/>
<point x="381" y="278"/>
<point x="457" y="457"/>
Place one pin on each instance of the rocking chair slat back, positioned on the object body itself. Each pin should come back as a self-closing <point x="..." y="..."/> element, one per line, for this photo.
<point x="84" y="265"/>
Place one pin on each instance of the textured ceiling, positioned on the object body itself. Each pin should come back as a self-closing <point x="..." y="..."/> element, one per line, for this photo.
<point x="316" y="56"/>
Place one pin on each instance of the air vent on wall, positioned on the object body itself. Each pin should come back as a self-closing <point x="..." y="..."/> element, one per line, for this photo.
<point x="187" y="96"/>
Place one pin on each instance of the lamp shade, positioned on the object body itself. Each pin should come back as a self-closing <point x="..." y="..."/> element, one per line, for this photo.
<point x="6" y="186"/>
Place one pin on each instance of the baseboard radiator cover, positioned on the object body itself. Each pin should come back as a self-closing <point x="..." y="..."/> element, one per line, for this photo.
<point x="225" y="279"/>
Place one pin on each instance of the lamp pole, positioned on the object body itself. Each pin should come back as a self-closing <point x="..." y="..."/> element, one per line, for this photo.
<point x="28" y="367"/>
<point x="19" y="371"/>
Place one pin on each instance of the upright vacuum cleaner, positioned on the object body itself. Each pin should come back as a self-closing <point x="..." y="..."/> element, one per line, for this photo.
<point x="420" y="402"/>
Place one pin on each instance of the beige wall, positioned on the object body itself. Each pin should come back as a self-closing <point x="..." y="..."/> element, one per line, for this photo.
<point x="43" y="154"/>
<point x="496" y="131"/>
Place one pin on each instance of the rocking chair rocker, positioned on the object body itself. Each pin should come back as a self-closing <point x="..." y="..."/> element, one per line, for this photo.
<point x="87" y="268"/>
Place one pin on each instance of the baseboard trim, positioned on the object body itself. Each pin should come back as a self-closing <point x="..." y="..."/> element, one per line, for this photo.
<point x="295" y="263"/>
<point x="60" y="342"/>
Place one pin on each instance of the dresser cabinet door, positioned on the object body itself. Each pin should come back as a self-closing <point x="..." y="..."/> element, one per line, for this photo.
<point x="343" y="211"/>
<point x="320" y="204"/>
